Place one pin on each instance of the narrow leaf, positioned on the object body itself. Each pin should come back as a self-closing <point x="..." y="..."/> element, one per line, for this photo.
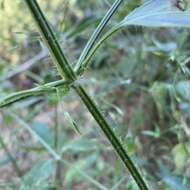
<point x="158" y="13"/>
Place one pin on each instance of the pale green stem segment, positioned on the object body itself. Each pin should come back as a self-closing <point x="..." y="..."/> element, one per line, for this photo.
<point x="51" y="41"/>
<point x="118" y="147"/>
<point x="66" y="71"/>
<point x="97" y="32"/>
<point x="80" y="70"/>
<point x="50" y="87"/>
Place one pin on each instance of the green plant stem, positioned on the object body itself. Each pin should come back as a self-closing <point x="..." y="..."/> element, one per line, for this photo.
<point x="51" y="41"/>
<point x="13" y="161"/>
<point x="97" y="32"/>
<point x="56" y="156"/>
<point x="58" y="167"/>
<point x="111" y="136"/>
<point x="65" y="70"/>
<point x="50" y="150"/>
<point x="38" y="91"/>
<point x="80" y="70"/>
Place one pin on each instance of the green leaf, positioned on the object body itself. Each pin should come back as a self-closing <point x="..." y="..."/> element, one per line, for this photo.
<point x="80" y="145"/>
<point x="158" y="13"/>
<point x="79" y="165"/>
<point x="183" y="89"/>
<point x="37" y="177"/>
<point x="43" y="131"/>
<point x="180" y="155"/>
<point x="156" y="133"/>
<point x="174" y="182"/>
<point x="159" y="93"/>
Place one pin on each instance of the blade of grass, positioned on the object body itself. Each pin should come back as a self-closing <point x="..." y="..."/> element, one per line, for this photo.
<point x="65" y="70"/>
<point x="97" y="32"/>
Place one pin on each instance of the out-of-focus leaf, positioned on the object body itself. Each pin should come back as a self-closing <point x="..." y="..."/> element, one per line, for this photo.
<point x="36" y="178"/>
<point x="183" y="89"/>
<point x="180" y="155"/>
<point x="174" y="182"/>
<point x="165" y="47"/>
<point x="43" y="131"/>
<point x="185" y="109"/>
<point x="159" y="94"/>
<point x="156" y="133"/>
<point x="80" y="165"/>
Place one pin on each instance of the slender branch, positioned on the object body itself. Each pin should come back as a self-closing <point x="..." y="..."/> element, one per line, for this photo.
<point x="58" y="166"/>
<point x="66" y="71"/>
<point x="82" y="64"/>
<point x="97" y="32"/>
<point x="38" y="91"/>
<point x="13" y="160"/>
<point x="111" y="137"/>
<point x="51" y="41"/>
<point x="41" y="90"/>
<point x="80" y="70"/>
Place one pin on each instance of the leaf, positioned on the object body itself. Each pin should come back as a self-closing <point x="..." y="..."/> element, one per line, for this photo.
<point x="156" y="133"/>
<point x="82" y="164"/>
<point x="158" y="13"/>
<point x="80" y="145"/>
<point x="180" y="155"/>
<point x="36" y="178"/>
<point x="175" y="182"/>
<point x="159" y="94"/>
<point x="43" y="131"/>
<point x="71" y="122"/>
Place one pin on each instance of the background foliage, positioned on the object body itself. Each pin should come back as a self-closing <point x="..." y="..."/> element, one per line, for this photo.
<point x="140" y="79"/>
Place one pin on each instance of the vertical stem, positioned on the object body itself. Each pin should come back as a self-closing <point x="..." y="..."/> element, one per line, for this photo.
<point x="84" y="64"/>
<point x="56" y="128"/>
<point x="66" y="70"/>
<point x="111" y="136"/>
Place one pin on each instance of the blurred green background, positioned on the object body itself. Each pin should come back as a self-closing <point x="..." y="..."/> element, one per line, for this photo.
<point x="140" y="79"/>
